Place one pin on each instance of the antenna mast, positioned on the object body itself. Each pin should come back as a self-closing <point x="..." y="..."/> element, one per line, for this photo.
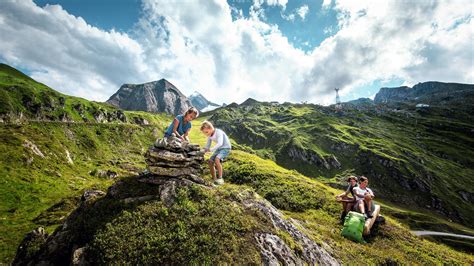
<point x="338" y="100"/>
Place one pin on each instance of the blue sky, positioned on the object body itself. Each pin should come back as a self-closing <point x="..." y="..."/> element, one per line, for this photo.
<point x="271" y="50"/>
<point x="120" y="15"/>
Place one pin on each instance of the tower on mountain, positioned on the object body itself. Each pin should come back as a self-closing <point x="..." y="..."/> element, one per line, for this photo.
<point x="338" y="101"/>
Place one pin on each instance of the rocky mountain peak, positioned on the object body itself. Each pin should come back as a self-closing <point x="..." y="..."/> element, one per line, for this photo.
<point x="156" y="96"/>
<point x="250" y="101"/>
<point x="201" y="103"/>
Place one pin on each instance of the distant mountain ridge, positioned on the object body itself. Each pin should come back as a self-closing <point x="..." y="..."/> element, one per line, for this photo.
<point x="201" y="103"/>
<point x="155" y="97"/>
<point x="430" y="92"/>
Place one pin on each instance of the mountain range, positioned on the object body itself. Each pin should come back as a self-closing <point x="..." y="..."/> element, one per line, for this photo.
<point x="75" y="190"/>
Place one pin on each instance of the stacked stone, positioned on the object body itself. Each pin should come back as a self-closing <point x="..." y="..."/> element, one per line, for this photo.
<point x="172" y="157"/>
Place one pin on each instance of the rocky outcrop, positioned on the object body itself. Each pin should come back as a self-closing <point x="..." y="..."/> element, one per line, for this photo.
<point x="274" y="251"/>
<point x="31" y="244"/>
<point x="101" y="173"/>
<point x="156" y="97"/>
<point x="428" y="92"/>
<point x="311" y="157"/>
<point x="104" y="116"/>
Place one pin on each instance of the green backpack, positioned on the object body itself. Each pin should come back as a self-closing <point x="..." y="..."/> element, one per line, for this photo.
<point x="354" y="226"/>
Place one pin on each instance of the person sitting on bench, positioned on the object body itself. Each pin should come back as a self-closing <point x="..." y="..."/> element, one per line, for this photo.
<point x="347" y="202"/>
<point x="364" y="198"/>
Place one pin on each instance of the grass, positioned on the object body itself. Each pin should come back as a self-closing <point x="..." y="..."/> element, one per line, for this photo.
<point x="206" y="226"/>
<point x="201" y="228"/>
<point x="421" y="160"/>
<point x="31" y="185"/>
<point x="153" y="231"/>
<point x="312" y="204"/>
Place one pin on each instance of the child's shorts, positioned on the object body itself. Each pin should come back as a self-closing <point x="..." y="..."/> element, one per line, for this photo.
<point x="356" y="205"/>
<point x="220" y="153"/>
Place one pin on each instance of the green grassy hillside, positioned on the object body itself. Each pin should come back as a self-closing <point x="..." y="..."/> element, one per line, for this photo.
<point x="421" y="158"/>
<point x="51" y="150"/>
<point x="22" y="98"/>
<point x="55" y="146"/>
<point x="32" y="183"/>
<point x="210" y="226"/>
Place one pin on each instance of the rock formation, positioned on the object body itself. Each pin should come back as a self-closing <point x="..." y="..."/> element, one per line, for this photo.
<point x="427" y="92"/>
<point x="156" y="97"/>
<point x="172" y="157"/>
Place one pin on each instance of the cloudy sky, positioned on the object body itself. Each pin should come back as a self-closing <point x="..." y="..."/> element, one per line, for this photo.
<point x="270" y="50"/>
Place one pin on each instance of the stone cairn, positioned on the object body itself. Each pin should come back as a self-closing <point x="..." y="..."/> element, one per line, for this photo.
<point x="173" y="158"/>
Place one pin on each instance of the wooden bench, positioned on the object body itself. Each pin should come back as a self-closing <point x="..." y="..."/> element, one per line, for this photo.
<point x="370" y="222"/>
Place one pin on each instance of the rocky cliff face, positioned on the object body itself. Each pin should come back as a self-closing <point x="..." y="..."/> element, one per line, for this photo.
<point x="201" y="103"/>
<point x="155" y="97"/>
<point x="171" y="216"/>
<point x="428" y="92"/>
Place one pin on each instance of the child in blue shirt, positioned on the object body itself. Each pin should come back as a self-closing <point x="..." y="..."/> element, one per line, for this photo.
<point x="181" y="125"/>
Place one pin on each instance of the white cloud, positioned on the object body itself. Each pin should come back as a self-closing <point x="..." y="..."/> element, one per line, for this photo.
<point x="70" y="55"/>
<point x="281" y="3"/>
<point x="230" y="60"/>
<point x="392" y="39"/>
<point x="302" y="11"/>
<point x="326" y="4"/>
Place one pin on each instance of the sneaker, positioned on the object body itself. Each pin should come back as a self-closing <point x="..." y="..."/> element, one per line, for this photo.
<point x="219" y="181"/>
<point x="370" y="214"/>
<point x="366" y="216"/>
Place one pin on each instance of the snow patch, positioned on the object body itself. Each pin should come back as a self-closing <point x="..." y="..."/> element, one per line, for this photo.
<point x="209" y="108"/>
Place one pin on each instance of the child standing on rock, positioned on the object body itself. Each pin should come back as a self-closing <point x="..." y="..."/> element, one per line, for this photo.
<point x="181" y="125"/>
<point x="220" y="151"/>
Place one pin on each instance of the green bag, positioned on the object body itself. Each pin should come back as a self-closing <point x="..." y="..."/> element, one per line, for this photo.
<point x="354" y="226"/>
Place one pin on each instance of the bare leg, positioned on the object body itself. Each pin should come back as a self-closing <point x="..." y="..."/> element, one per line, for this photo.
<point x="213" y="170"/>
<point x="218" y="166"/>
<point x="369" y="205"/>
<point x="361" y="206"/>
<point x="348" y="207"/>
<point x="344" y="206"/>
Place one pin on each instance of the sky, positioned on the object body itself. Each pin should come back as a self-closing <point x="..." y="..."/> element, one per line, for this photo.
<point x="269" y="50"/>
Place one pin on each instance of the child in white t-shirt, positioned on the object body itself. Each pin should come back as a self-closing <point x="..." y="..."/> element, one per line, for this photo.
<point x="220" y="151"/>
<point x="364" y="196"/>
